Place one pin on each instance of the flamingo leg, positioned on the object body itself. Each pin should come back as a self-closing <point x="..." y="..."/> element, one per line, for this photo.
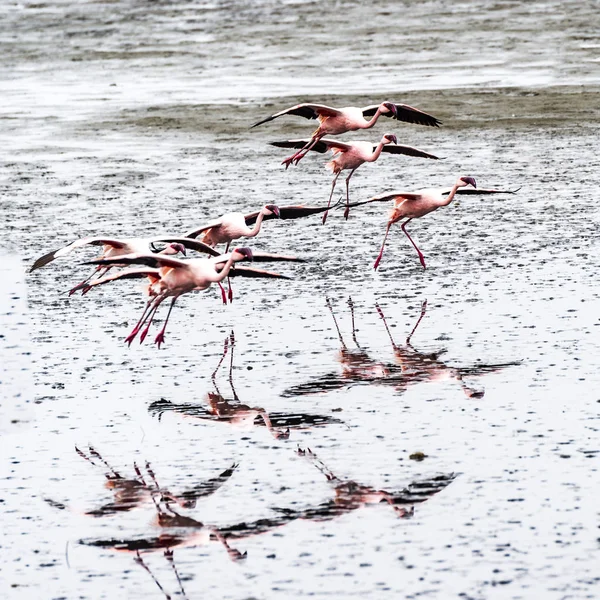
<point x="330" y="196"/>
<point x="380" y="255"/>
<point x="229" y="290"/>
<point x="300" y="154"/>
<point x="160" y="338"/>
<point x="347" y="211"/>
<point x="421" y="257"/>
<point x="139" y="324"/>
<point x="150" y="317"/>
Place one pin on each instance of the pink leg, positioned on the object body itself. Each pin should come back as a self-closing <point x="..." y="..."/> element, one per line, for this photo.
<point x="230" y="290"/>
<point x="138" y="325"/>
<point x="347" y="211"/>
<point x="225" y="349"/>
<point x="297" y="156"/>
<point x="421" y="257"/>
<point x="83" y="285"/>
<point x="330" y="196"/>
<point x="380" y="255"/>
<point x="150" y="318"/>
<point x="223" y="293"/>
<point x="160" y="338"/>
<point x="423" y="311"/>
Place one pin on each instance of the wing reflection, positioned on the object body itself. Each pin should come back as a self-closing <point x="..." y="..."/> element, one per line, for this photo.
<point x="411" y="366"/>
<point x="237" y="414"/>
<point x="135" y="492"/>
<point x="348" y="496"/>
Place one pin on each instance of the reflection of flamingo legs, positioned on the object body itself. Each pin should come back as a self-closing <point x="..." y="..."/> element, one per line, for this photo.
<point x="337" y="327"/>
<point x="169" y="557"/>
<point x="138" y="559"/>
<point x="93" y="452"/>
<point x="394" y="345"/>
<point x="351" y="305"/>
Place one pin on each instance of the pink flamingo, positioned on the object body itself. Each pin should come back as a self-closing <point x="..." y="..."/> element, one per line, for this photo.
<point x="335" y="121"/>
<point x="350" y="155"/>
<point x="171" y="277"/>
<point x="113" y="247"/>
<point x="174" y="278"/>
<point x="413" y="205"/>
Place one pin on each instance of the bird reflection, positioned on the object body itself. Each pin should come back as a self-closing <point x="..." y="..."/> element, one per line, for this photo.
<point x="240" y="415"/>
<point x="134" y="492"/>
<point x="412" y="366"/>
<point x="348" y="496"/>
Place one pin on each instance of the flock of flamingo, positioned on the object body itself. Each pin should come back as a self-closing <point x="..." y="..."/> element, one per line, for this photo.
<point x="170" y="276"/>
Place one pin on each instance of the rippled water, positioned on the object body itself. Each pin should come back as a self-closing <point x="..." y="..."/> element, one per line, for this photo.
<point x="131" y="118"/>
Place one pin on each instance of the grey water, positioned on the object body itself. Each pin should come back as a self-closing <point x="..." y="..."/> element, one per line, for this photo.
<point x="131" y="118"/>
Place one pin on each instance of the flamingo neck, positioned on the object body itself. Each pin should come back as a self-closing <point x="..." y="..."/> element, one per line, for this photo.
<point x="376" y="153"/>
<point x="452" y="193"/>
<point x="217" y="277"/>
<point x="254" y="231"/>
<point x="369" y="124"/>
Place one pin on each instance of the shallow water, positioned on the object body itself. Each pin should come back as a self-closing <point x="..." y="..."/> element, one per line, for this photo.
<point x="132" y="118"/>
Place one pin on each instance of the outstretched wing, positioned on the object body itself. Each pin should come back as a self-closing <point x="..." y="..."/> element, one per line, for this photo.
<point x="287" y="212"/>
<point x="321" y="146"/>
<point x="474" y="191"/>
<point x="308" y="111"/>
<point x="92" y="241"/>
<point x="388" y="196"/>
<point x="206" y="488"/>
<point x="254" y="273"/>
<point x="150" y="260"/>
<point x="129" y="274"/>
<point x="194" y="233"/>
<point x="405" y="113"/>
<point x="268" y="257"/>
<point x="408" y="150"/>
<point x="190" y="244"/>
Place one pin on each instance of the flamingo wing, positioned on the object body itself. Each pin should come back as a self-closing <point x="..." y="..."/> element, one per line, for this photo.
<point x="474" y="191"/>
<point x="321" y="146"/>
<point x="190" y="244"/>
<point x="308" y="111"/>
<point x="387" y="196"/>
<point x="194" y="233"/>
<point x="92" y="241"/>
<point x="150" y="260"/>
<point x="268" y="257"/>
<point x="206" y="488"/>
<point x="287" y="212"/>
<point x="408" y="150"/>
<point x="255" y="273"/>
<point x="129" y="274"/>
<point x="405" y="113"/>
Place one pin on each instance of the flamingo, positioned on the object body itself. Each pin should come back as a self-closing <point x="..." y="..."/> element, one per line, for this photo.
<point x="172" y="277"/>
<point x="234" y="225"/>
<point x="420" y="203"/>
<point x="335" y="121"/>
<point x="350" y="155"/>
<point x="112" y="247"/>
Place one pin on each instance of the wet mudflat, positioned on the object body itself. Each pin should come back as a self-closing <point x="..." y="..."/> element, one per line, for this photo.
<point x="132" y="119"/>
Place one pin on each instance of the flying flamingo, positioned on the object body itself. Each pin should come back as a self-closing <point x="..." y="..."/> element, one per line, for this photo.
<point x="112" y="247"/>
<point x="171" y="277"/>
<point x="350" y="155"/>
<point x="234" y="225"/>
<point x="335" y="121"/>
<point x="413" y="205"/>
<point x="176" y="277"/>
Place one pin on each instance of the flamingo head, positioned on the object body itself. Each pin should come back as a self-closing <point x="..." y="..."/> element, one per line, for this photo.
<point x="177" y="247"/>
<point x="243" y="254"/>
<point x="390" y="107"/>
<point x="272" y="209"/>
<point x="468" y="181"/>
<point x="172" y="248"/>
<point x="390" y="138"/>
